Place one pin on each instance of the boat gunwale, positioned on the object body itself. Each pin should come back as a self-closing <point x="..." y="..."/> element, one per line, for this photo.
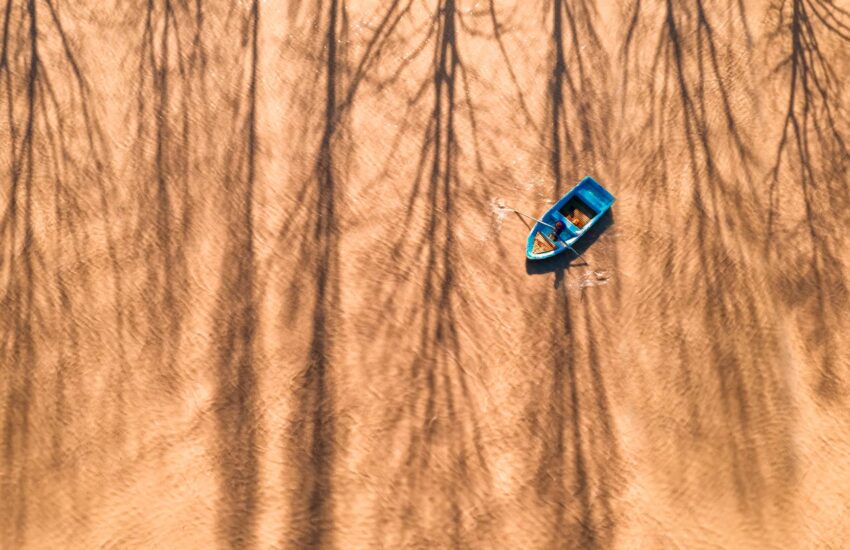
<point x="554" y="212"/>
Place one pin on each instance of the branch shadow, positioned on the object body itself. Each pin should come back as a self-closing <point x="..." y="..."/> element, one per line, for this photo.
<point x="313" y="431"/>
<point x="41" y="295"/>
<point x="236" y="316"/>
<point x="170" y="90"/>
<point x="687" y="56"/>
<point x="390" y="35"/>
<point x="813" y="144"/>
<point x="20" y="258"/>
<point x="442" y="470"/>
<point x="576" y="455"/>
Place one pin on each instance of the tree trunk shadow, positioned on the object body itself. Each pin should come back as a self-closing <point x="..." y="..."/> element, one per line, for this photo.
<point x="54" y="137"/>
<point x="571" y="403"/>
<point x="443" y="469"/>
<point x="682" y="105"/>
<point x="813" y="143"/>
<point x="235" y="318"/>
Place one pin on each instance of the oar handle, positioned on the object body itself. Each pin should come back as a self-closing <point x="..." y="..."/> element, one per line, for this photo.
<point x="533" y="218"/>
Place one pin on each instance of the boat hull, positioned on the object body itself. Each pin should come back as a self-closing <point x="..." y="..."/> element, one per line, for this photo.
<point x="579" y="210"/>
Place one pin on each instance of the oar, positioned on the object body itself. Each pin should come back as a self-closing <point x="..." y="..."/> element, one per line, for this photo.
<point x="502" y="206"/>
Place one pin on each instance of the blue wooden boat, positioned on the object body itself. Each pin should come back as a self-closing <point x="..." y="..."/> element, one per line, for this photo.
<point x="578" y="211"/>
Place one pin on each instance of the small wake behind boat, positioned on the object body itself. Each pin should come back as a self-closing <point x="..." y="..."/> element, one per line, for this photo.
<point x="570" y="218"/>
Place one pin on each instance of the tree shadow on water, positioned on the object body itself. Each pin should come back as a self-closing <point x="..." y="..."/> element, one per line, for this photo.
<point x="314" y="427"/>
<point x="170" y="92"/>
<point x="696" y="192"/>
<point x="442" y="471"/>
<point x="575" y="452"/>
<point x="813" y="156"/>
<point x="56" y="156"/>
<point x="577" y="107"/>
<point x="235" y="317"/>
<point x="311" y="438"/>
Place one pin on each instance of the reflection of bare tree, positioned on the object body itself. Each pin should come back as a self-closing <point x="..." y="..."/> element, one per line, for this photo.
<point x="435" y="180"/>
<point x="813" y="146"/>
<point x="236" y="314"/>
<point x="170" y="84"/>
<point x="689" y="82"/>
<point x="580" y="70"/>
<point x="391" y="35"/>
<point x="576" y="454"/>
<point x="313" y="424"/>
<point x="53" y="137"/>
<point x="443" y="470"/>
<point x="499" y="31"/>
<point x="686" y="69"/>
<point x="20" y="257"/>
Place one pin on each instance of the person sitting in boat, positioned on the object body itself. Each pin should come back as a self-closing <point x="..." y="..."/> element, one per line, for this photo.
<point x="556" y="233"/>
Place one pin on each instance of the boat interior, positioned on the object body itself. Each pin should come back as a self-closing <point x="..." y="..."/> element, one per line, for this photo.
<point x="577" y="212"/>
<point x="542" y="244"/>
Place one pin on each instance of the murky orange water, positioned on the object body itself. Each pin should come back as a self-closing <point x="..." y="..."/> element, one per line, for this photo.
<point x="257" y="292"/>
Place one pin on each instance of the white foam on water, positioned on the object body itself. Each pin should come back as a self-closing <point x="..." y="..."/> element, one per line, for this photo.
<point x="592" y="278"/>
<point x="499" y="215"/>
